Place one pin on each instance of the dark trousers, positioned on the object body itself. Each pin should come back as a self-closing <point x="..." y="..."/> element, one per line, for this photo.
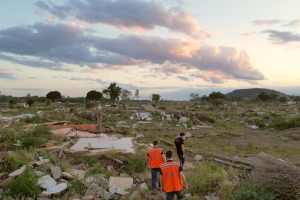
<point x="170" y="195"/>
<point x="154" y="177"/>
<point x="181" y="158"/>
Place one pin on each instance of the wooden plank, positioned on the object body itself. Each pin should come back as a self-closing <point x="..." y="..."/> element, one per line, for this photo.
<point x="232" y="164"/>
<point x="236" y="160"/>
<point x="227" y="163"/>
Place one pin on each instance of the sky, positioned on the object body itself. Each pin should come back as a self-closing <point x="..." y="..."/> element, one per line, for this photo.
<point x="169" y="47"/>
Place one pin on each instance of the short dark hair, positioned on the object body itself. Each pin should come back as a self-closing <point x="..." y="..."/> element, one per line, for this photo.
<point x="155" y="143"/>
<point x="169" y="154"/>
<point x="182" y="134"/>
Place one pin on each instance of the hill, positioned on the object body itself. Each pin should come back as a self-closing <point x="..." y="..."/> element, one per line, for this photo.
<point x="253" y="92"/>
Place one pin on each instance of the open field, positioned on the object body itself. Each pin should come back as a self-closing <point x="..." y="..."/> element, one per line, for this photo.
<point x="234" y="140"/>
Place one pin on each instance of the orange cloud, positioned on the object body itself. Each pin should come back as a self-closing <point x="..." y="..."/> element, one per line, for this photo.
<point x="49" y="18"/>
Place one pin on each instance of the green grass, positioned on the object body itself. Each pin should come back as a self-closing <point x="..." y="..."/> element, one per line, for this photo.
<point x="204" y="177"/>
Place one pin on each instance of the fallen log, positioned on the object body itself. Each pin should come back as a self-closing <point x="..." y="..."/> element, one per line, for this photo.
<point x="237" y="160"/>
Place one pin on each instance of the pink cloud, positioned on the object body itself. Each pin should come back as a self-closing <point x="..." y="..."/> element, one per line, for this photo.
<point x="18" y="70"/>
<point x="118" y="67"/>
<point x="266" y="22"/>
<point x="89" y="70"/>
<point x="210" y="77"/>
<point x="49" y="18"/>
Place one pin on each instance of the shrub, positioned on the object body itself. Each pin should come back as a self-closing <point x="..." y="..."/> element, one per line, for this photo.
<point x="212" y="120"/>
<point x="88" y="106"/>
<point x="71" y="110"/>
<point x="23" y="186"/>
<point x="286" y="124"/>
<point x="253" y="191"/>
<point x="205" y="177"/>
<point x="136" y="164"/>
<point x="27" y="119"/>
<point x="40" y="131"/>
<point x="154" y="105"/>
<point x="32" y="141"/>
<point x="279" y="177"/>
<point x="113" y="105"/>
<point x="90" y="160"/>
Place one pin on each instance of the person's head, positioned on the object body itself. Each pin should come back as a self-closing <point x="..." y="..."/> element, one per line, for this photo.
<point x="182" y="135"/>
<point x="155" y="143"/>
<point x="169" y="155"/>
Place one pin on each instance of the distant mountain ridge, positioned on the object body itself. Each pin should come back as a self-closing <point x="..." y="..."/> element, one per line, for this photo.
<point x="253" y="92"/>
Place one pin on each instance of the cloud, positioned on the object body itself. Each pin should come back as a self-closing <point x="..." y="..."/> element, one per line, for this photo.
<point x="127" y="86"/>
<point x="128" y="14"/>
<point x="293" y="23"/>
<point x="210" y="77"/>
<point x="32" y="77"/>
<point x="6" y="75"/>
<point x="282" y="37"/>
<point x="49" y="19"/>
<point x="25" y="89"/>
<point x="247" y="34"/>
<point x="89" y="70"/>
<point x="38" y="63"/>
<point x="98" y="80"/>
<point x="184" y="78"/>
<point x="56" y="46"/>
<point x="266" y="22"/>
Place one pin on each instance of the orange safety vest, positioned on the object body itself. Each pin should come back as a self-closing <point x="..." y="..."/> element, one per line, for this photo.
<point x="155" y="158"/>
<point x="171" y="176"/>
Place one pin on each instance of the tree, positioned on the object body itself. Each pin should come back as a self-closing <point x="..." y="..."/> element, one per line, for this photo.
<point x="125" y="94"/>
<point x="30" y="101"/>
<point x="113" y="91"/>
<point x="12" y="103"/>
<point x="216" y="95"/>
<point x="194" y="95"/>
<point x="93" y="95"/>
<point x="204" y="98"/>
<point x="273" y="96"/>
<point x="283" y="99"/>
<point x="137" y="94"/>
<point x="54" y="95"/>
<point x="155" y="97"/>
<point x="264" y="96"/>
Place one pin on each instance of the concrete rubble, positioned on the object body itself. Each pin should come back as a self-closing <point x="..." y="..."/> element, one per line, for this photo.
<point x="46" y="182"/>
<point x="17" y="172"/>
<point x="55" y="189"/>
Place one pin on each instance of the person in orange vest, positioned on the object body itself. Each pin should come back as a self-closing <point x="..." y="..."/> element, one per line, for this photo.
<point x="172" y="178"/>
<point x="155" y="158"/>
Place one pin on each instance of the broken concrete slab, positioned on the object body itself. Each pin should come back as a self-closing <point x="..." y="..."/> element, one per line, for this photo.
<point x="184" y="119"/>
<point x="121" y="182"/>
<point x="41" y="162"/>
<point x="82" y="134"/>
<point x="56" y="172"/>
<point x="198" y="158"/>
<point x="105" y="144"/>
<point x="55" y="189"/>
<point x="39" y="173"/>
<point x="46" y="182"/>
<point x="78" y="174"/>
<point x="88" y="197"/>
<point x="67" y="175"/>
<point x="148" y="107"/>
<point x="5" y="182"/>
<point x="89" y="192"/>
<point x="18" y="172"/>
<point x="82" y="127"/>
<point x="117" y="190"/>
<point x="63" y="131"/>
<point x="144" y="186"/>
